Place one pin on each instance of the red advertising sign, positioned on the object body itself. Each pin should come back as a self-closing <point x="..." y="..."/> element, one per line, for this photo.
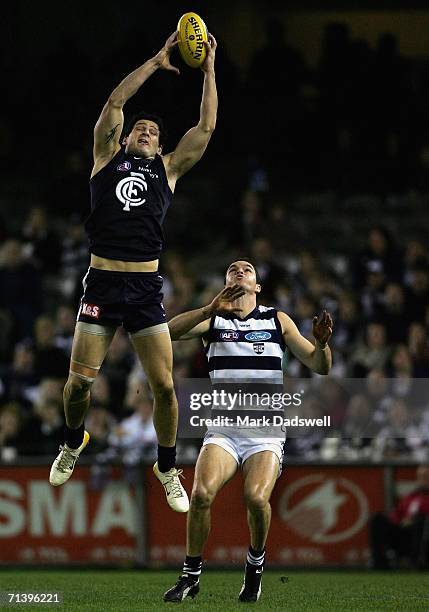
<point x="73" y="523"/>
<point x="320" y="516"/>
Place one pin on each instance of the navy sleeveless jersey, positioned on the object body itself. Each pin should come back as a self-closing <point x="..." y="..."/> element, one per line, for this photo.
<point x="129" y="199"/>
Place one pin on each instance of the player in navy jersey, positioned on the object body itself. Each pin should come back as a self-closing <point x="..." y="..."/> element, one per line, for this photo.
<point x="132" y="185"/>
<point x="243" y="342"/>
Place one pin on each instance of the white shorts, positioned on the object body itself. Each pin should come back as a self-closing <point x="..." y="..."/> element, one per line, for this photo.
<point x="243" y="448"/>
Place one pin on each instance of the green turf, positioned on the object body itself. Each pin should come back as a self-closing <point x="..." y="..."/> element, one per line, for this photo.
<point x="287" y="590"/>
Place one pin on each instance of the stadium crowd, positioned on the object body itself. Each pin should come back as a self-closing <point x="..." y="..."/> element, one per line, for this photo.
<point x="378" y="297"/>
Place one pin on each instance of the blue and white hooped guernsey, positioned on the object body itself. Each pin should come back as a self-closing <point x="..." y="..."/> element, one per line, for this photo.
<point x="246" y="350"/>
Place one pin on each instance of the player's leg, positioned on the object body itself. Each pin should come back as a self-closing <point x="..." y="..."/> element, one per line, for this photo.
<point x="215" y="467"/>
<point x="260" y="473"/>
<point x="90" y="345"/>
<point x="153" y="346"/>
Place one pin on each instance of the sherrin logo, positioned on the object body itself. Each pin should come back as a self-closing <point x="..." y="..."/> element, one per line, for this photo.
<point x="258" y="336"/>
<point x="191" y="35"/>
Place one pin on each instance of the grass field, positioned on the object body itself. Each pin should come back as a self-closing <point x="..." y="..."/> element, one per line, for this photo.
<point x="287" y="590"/>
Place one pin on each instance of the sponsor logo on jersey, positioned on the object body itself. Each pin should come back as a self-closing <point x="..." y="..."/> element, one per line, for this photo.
<point x="124" y="166"/>
<point x="130" y="190"/>
<point x="229" y="335"/>
<point x="257" y="336"/>
<point x="258" y="347"/>
<point x="90" y="310"/>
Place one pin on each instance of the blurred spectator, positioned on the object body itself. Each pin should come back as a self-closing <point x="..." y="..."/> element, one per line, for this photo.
<point x="394" y="313"/>
<point x="50" y="361"/>
<point x="418" y="293"/>
<point x="20" y="288"/>
<point x="270" y="271"/>
<point x="418" y="346"/>
<point x="100" y="423"/>
<point x="74" y="259"/>
<point x="18" y="379"/>
<point x="65" y="321"/>
<point x="400" y="435"/>
<point x="379" y="257"/>
<point x="371" y="353"/>
<point x="405" y="531"/>
<point x="100" y="393"/>
<point x="40" y="243"/>
<point x="116" y="367"/>
<point x="358" y="428"/>
<point x="10" y="431"/>
<point x="135" y="437"/>
<point x="43" y="434"/>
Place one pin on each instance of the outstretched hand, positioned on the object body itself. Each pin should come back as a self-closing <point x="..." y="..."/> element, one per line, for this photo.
<point x="224" y="301"/>
<point x="210" y="46"/>
<point x="163" y="56"/>
<point x="322" y="328"/>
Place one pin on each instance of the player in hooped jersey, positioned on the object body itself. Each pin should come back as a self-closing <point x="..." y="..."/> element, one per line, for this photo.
<point x="132" y="185"/>
<point x="232" y="356"/>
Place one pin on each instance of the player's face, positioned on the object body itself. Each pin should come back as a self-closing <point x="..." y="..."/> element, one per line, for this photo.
<point x="243" y="273"/>
<point x="143" y="140"/>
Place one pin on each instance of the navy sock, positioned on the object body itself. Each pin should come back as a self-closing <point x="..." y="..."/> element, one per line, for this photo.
<point x="192" y="567"/>
<point x="166" y="458"/>
<point x="74" y="437"/>
<point x="256" y="557"/>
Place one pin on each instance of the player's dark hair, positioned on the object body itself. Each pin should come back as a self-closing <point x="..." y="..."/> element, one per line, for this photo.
<point x="150" y="117"/>
<point x="258" y="278"/>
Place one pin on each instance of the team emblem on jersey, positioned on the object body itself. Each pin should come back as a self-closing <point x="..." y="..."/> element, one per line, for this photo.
<point x="258" y="336"/>
<point x="130" y="190"/>
<point x="229" y="335"/>
<point x="124" y="166"/>
<point x="258" y="347"/>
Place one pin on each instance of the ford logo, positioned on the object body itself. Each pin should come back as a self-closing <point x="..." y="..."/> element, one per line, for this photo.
<point x="257" y="336"/>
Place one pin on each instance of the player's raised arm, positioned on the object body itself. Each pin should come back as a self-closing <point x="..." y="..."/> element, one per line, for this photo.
<point x="196" y="323"/>
<point x="193" y="144"/>
<point x="109" y="126"/>
<point x="317" y="357"/>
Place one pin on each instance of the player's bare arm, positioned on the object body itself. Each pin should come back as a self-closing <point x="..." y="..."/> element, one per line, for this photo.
<point x="193" y="144"/>
<point x="108" y="129"/>
<point x="316" y="356"/>
<point x="195" y="323"/>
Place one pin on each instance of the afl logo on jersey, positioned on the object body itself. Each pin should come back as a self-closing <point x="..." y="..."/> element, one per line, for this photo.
<point x="124" y="167"/>
<point x="130" y="190"/>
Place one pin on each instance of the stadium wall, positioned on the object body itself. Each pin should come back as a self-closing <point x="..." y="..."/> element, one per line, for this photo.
<point x="320" y="515"/>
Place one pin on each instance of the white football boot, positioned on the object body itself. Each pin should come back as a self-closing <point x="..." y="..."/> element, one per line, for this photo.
<point x="63" y="466"/>
<point x="177" y="497"/>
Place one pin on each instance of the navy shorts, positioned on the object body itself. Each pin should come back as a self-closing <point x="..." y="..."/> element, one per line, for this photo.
<point x="131" y="299"/>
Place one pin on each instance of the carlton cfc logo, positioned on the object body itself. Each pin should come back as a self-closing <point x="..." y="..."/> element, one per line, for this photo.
<point x="130" y="190"/>
<point x="324" y="509"/>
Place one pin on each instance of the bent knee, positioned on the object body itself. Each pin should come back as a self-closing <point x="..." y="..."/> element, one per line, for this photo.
<point x="163" y="389"/>
<point x="256" y="501"/>
<point x="77" y="387"/>
<point x="202" y="498"/>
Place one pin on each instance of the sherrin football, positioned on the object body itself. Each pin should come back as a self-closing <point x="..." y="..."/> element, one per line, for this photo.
<point x="191" y="34"/>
